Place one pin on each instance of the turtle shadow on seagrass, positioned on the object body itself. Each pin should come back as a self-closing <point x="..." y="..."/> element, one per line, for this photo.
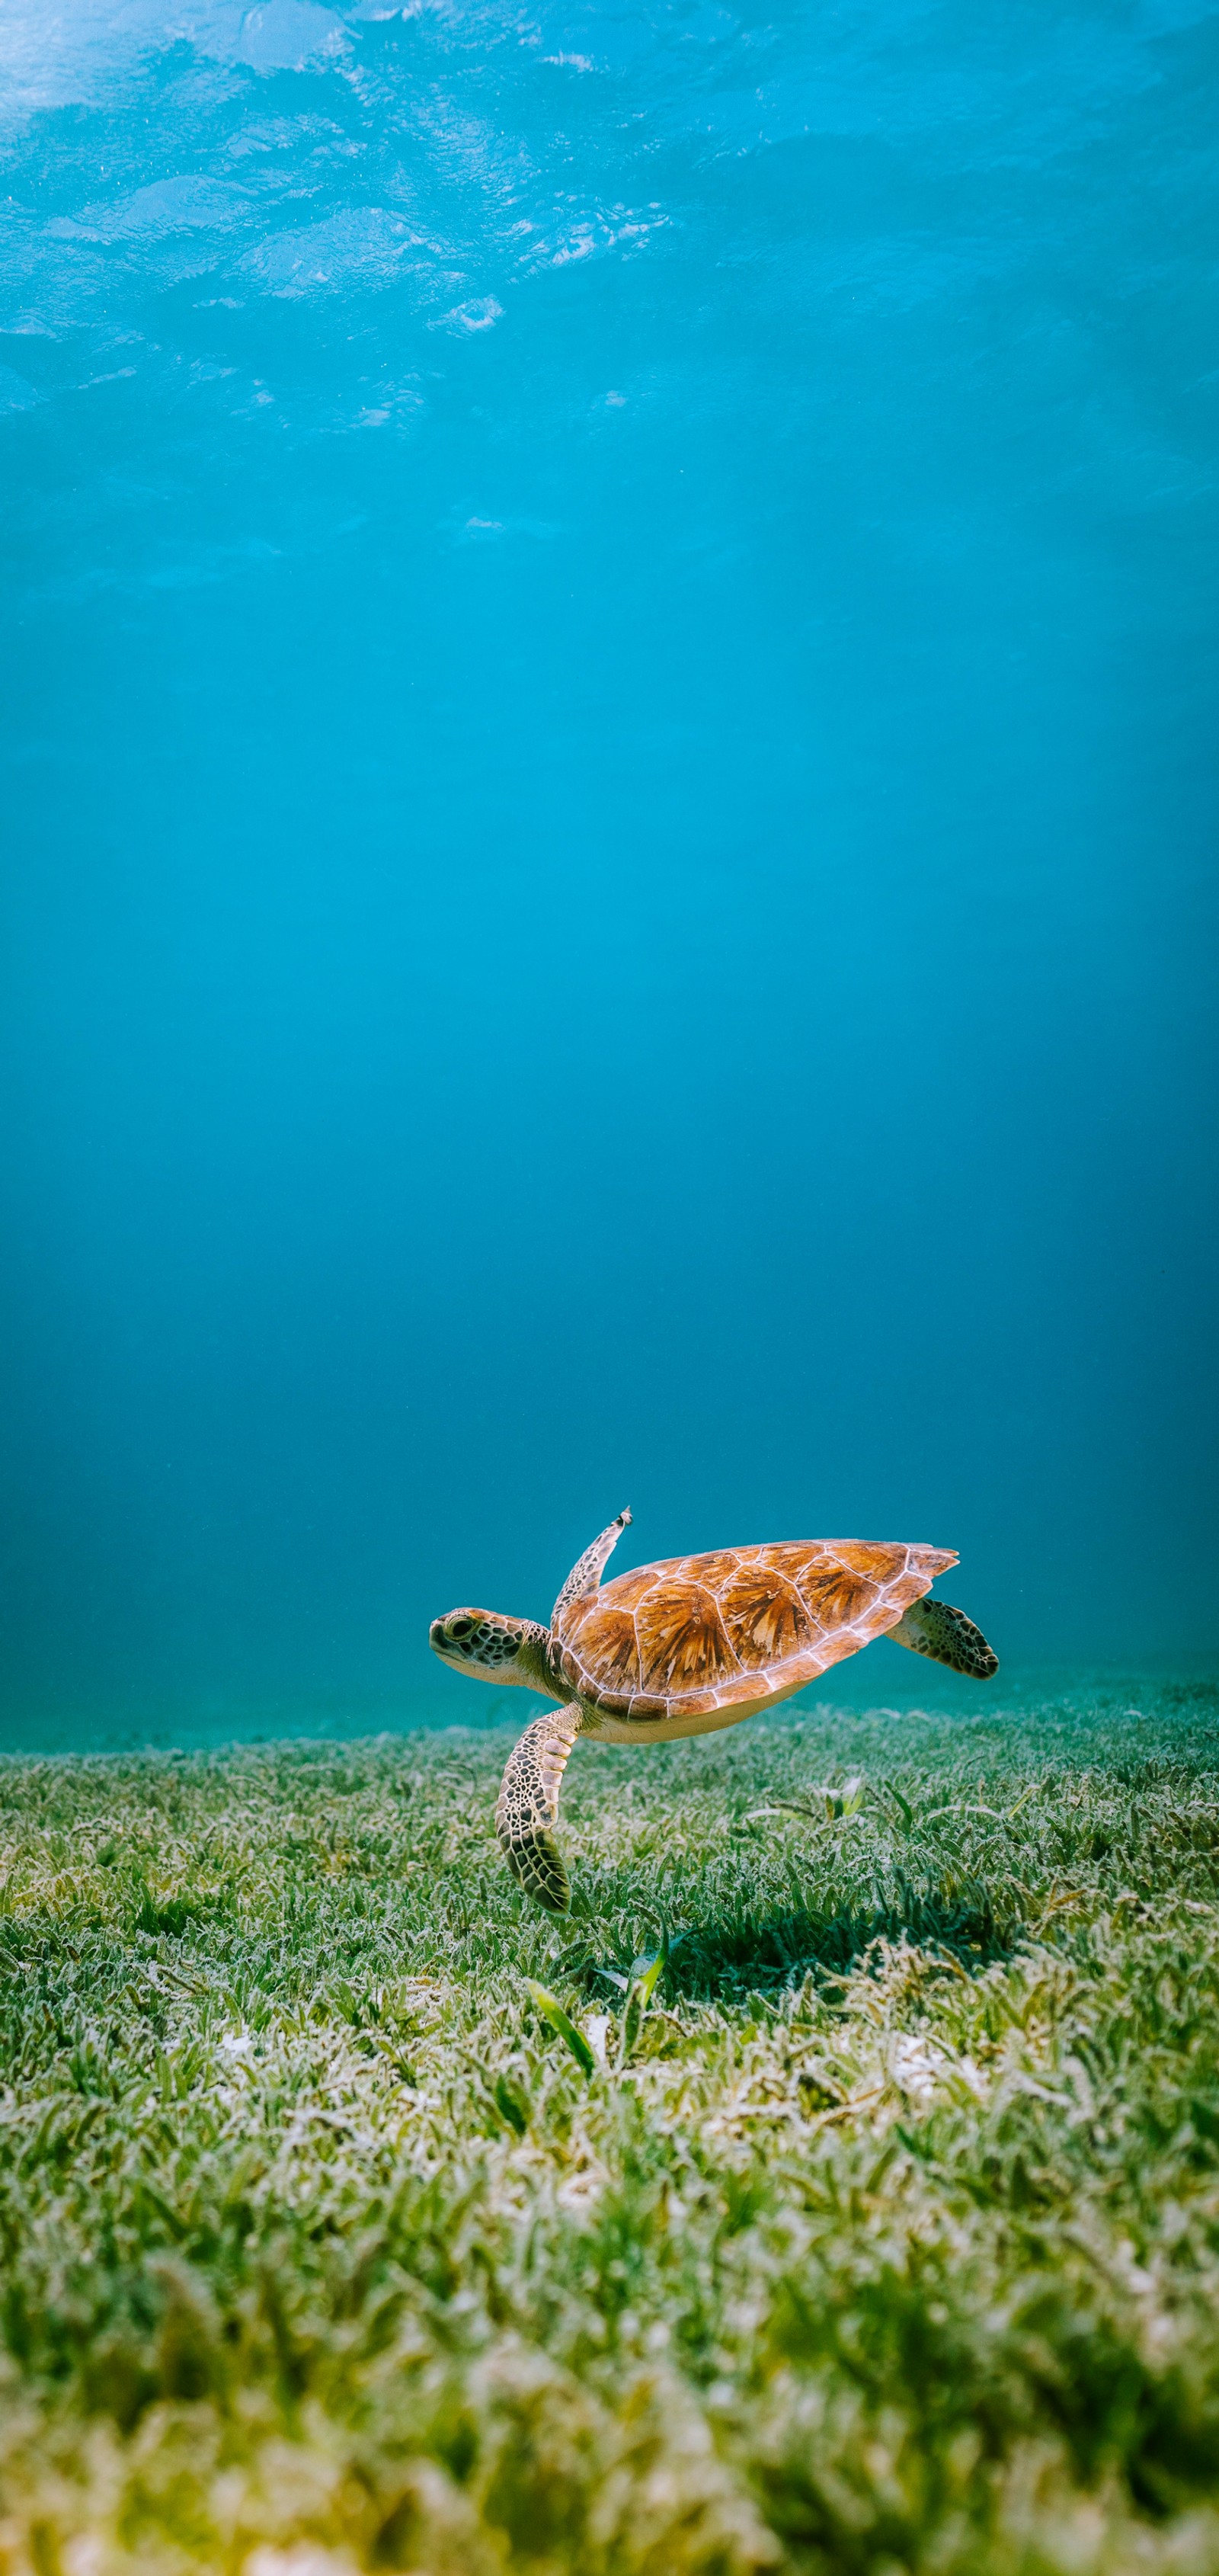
<point x="683" y="1647"/>
<point x="770" y="1952"/>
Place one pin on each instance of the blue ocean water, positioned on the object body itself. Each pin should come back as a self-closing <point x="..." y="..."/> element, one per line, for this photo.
<point x="609" y="808"/>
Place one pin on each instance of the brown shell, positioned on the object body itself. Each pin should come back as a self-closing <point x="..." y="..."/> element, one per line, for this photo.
<point x="739" y="1627"/>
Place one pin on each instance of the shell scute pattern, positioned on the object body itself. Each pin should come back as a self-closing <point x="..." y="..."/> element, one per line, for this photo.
<point x="684" y="1645"/>
<point x="737" y="1626"/>
<point x="907" y="1588"/>
<point x="835" y="1597"/>
<point x="789" y="1558"/>
<point x="610" y="1647"/>
<point x="712" y="1571"/>
<point x="765" y="1617"/>
<point x="879" y="1563"/>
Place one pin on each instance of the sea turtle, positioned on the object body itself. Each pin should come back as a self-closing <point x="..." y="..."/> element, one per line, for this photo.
<point x="682" y="1647"/>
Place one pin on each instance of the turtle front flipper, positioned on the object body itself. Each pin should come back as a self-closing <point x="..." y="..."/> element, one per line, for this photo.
<point x="585" y="1574"/>
<point x="527" y="1808"/>
<point x="934" y="1628"/>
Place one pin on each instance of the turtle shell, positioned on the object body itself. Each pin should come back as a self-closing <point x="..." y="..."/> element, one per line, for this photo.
<point x="736" y="1629"/>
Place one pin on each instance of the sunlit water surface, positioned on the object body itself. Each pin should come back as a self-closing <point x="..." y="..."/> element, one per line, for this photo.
<point x="609" y="821"/>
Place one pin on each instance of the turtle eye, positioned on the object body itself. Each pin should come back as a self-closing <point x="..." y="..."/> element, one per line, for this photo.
<point x="461" y="1627"/>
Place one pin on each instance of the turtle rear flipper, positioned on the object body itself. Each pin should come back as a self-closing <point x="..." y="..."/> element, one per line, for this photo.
<point x="934" y="1628"/>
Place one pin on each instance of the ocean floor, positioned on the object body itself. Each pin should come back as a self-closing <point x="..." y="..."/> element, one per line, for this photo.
<point x="835" y="2189"/>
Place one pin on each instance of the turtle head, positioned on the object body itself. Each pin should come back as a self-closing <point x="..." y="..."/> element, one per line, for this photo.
<point x="491" y="1647"/>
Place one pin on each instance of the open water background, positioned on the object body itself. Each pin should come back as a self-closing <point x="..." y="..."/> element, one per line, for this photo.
<point x="608" y="809"/>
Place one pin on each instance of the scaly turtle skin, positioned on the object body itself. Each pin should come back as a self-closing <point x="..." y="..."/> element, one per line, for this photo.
<point x="680" y="1648"/>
